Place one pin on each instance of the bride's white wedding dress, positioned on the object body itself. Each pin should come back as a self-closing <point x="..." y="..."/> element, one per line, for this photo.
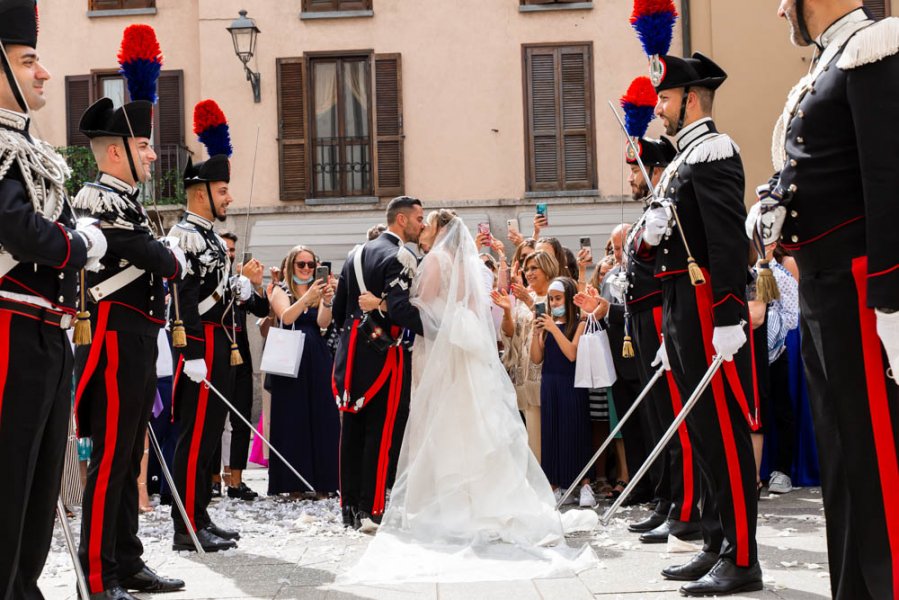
<point x="470" y="502"/>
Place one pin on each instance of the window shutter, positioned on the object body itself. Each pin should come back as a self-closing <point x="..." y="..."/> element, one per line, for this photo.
<point x="877" y="8"/>
<point x="388" y="126"/>
<point x="319" y="5"/>
<point x="169" y="125"/>
<point x="354" y="5"/>
<point x="292" y="128"/>
<point x="577" y="125"/>
<point x="78" y="98"/>
<point x="543" y="120"/>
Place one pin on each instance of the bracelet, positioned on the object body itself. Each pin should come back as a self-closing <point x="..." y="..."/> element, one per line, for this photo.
<point x="327" y="305"/>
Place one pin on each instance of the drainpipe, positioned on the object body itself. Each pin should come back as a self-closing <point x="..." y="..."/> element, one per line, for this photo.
<point x="685" y="26"/>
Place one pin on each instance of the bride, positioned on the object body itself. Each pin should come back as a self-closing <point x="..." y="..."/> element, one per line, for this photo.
<point x="470" y="501"/>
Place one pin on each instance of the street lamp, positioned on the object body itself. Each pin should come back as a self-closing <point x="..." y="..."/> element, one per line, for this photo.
<point x="243" y="32"/>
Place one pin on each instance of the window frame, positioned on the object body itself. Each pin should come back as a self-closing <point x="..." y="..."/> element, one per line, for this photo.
<point x="312" y="7"/>
<point x="102" y="6"/>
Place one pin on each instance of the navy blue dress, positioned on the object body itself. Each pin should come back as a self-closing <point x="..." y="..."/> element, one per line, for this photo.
<point x="305" y="426"/>
<point x="565" y="418"/>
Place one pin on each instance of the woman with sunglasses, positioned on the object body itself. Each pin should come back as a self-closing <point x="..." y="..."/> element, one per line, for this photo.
<point x="304" y="422"/>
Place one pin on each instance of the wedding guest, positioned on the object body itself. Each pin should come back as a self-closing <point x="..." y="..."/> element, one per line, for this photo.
<point x="517" y="329"/>
<point x="564" y="409"/>
<point x="375" y="230"/>
<point x="305" y="426"/>
<point x="553" y="247"/>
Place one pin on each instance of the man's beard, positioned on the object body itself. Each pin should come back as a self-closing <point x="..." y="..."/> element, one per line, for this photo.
<point x="639" y="191"/>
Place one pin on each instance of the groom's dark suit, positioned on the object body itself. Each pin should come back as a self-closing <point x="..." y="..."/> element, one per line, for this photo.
<point x="371" y="386"/>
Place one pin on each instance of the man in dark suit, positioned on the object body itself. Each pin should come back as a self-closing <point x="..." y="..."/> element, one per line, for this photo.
<point x="370" y="379"/>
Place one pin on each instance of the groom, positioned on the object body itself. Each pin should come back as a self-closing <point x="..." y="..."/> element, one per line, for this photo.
<point x="371" y="382"/>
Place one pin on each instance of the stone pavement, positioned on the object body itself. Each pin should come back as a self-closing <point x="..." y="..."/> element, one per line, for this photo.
<point x="293" y="550"/>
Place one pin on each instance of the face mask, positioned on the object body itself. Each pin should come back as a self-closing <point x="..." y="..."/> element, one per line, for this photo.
<point x="299" y="281"/>
<point x="558" y="311"/>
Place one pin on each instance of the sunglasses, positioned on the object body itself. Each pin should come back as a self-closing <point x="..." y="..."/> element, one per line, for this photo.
<point x="302" y="264"/>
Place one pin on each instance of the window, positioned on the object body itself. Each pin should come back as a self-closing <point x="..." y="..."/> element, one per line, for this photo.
<point x="340" y="126"/>
<point x="121" y="4"/>
<point x="878" y="8"/>
<point x="559" y="122"/>
<point x="168" y="119"/>
<point x="335" y="5"/>
<point x="544" y="2"/>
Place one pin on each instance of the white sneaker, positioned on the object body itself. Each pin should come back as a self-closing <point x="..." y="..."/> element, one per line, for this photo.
<point x="779" y="483"/>
<point x="570" y="499"/>
<point x="587" y="499"/>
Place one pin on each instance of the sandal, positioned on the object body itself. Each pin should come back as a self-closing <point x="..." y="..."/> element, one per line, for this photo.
<point x="602" y="486"/>
<point x="616" y="491"/>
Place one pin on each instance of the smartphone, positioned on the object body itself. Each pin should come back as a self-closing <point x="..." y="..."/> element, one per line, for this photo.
<point x="585" y="243"/>
<point x="484" y="229"/>
<point x="512" y="225"/>
<point x="247" y="257"/>
<point x="543" y="211"/>
<point x="540" y="309"/>
<point x="322" y="273"/>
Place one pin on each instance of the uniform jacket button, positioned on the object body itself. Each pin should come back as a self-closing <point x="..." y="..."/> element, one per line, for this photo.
<point x="794" y="238"/>
<point x="800" y="140"/>
<point x="801" y="114"/>
<point x="62" y="275"/>
<point x="793" y="188"/>
<point x="62" y="299"/>
<point x="664" y="268"/>
<point x="664" y="250"/>
<point x="794" y="213"/>
<point x="793" y="162"/>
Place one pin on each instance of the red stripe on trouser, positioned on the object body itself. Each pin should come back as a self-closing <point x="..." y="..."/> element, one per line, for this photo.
<point x="93" y="356"/>
<point x="351" y="355"/>
<point x="741" y="520"/>
<point x="393" y="401"/>
<point x="98" y="505"/>
<point x="5" y="318"/>
<point x="686" y="509"/>
<point x="175" y="383"/>
<point x="881" y="419"/>
<point x="197" y="436"/>
<point x="755" y="379"/>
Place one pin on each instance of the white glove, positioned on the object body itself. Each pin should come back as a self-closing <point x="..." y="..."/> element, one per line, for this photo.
<point x="657" y="223"/>
<point x="241" y="287"/>
<point x="94" y="240"/>
<point x="195" y="369"/>
<point x="766" y="216"/>
<point x="888" y="330"/>
<point x="661" y="358"/>
<point x="618" y="286"/>
<point x="728" y="340"/>
<point x="172" y="243"/>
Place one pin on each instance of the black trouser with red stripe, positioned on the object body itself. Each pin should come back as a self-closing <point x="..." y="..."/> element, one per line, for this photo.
<point x="201" y="418"/>
<point x="115" y="399"/>
<point x="856" y="415"/>
<point x="35" y="403"/>
<point x="719" y="422"/>
<point x="367" y="443"/>
<point x="678" y="489"/>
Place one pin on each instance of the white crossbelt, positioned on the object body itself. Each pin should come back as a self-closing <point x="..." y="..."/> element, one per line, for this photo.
<point x="115" y="283"/>
<point x="206" y="305"/>
<point x="7" y="263"/>
<point x="27" y="299"/>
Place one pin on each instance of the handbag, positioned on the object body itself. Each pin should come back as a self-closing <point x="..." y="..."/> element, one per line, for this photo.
<point x="283" y="352"/>
<point x="595" y="367"/>
<point x="375" y="336"/>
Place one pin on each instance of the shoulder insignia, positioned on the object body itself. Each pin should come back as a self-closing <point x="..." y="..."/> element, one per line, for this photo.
<point x="44" y="172"/>
<point x="189" y="238"/>
<point x="716" y="147"/>
<point x="409" y="261"/>
<point x="98" y="199"/>
<point x="871" y="44"/>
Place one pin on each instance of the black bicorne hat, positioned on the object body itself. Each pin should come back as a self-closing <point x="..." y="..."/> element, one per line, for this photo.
<point x="103" y="119"/>
<point x="216" y="168"/>
<point x="653" y="153"/>
<point x="18" y="22"/>
<point x="669" y="72"/>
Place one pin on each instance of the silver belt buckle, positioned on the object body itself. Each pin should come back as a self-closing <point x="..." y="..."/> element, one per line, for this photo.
<point x="65" y="322"/>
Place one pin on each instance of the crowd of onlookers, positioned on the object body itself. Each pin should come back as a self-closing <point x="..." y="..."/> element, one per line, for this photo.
<point x="542" y="295"/>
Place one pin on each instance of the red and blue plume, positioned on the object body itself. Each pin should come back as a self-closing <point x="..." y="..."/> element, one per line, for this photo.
<point x="140" y="59"/>
<point x="654" y="22"/>
<point x="638" y="103"/>
<point x="211" y="127"/>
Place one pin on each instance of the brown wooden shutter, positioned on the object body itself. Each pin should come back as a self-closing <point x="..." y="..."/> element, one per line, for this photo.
<point x="559" y="118"/>
<point x="388" y="126"/>
<point x="319" y="5"/>
<point x="169" y="124"/>
<point x="878" y="8"/>
<point x="292" y="128"/>
<point x="78" y="98"/>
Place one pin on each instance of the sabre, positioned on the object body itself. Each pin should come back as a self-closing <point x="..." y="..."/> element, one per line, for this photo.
<point x="682" y="415"/>
<point x="658" y="374"/>
<point x="696" y="277"/>
<point x="256" y="431"/>
<point x="83" y="590"/>
<point x="246" y="231"/>
<point x="175" y="495"/>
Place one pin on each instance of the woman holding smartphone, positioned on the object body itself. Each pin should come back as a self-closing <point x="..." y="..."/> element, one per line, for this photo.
<point x="305" y="426"/>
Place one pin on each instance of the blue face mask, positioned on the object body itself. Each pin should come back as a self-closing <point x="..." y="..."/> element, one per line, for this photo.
<point x="299" y="281"/>
<point x="559" y="311"/>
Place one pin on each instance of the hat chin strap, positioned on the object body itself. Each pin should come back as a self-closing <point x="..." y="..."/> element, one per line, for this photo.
<point x="11" y="79"/>
<point x="683" y="110"/>
<point x="131" y="161"/>
<point x="803" y="26"/>
<point x="215" y="214"/>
